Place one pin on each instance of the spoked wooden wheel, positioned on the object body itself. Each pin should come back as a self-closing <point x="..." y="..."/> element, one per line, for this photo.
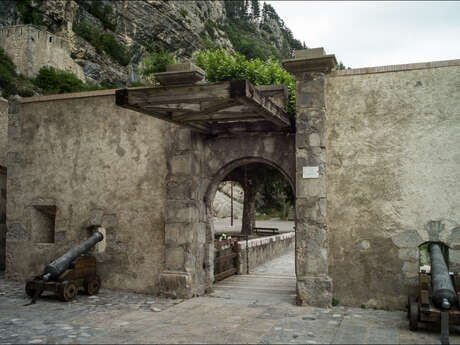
<point x="31" y="290"/>
<point x="92" y="285"/>
<point x="413" y="314"/>
<point x="68" y="291"/>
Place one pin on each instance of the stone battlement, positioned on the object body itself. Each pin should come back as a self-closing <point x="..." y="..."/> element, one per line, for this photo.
<point x="32" y="32"/>
<point x="31" y="48"/>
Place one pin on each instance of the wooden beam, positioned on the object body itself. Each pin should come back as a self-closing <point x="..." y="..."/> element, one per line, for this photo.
<point x="178" y="94"/>
<point x="180" y="107"/>
<point x="247" y="127"/>
<point x="236" y="100"/>
<point x="121" y="98"/>
<point x="247" y="94"/>
<point x="223" y="117"/>
<point x="210" y="109"/>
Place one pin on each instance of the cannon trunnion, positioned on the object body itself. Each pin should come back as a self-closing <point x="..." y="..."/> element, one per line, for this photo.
<point x="69" y="273"/>
<point x="438" y="299"/>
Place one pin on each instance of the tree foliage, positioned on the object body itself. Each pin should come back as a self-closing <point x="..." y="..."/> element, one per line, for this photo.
<point x="52" y="81"/>
<point x="221" y="65"/>
<point x="28" y="13"/>
<point x="100" y="11"/>
<point x="154" y="63"/>
<point x="11" y="83"/>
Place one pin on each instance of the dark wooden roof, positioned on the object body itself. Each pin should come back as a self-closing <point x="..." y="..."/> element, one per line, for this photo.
<point x="203" y="107"/>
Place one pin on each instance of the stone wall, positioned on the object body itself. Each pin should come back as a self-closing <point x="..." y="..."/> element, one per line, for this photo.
<point x="90" y="162"/>
<point x="393" y="177"/>
<point x="262" y="250"/>
<point x="31" y="49"/>
<point x="3" y="148"/>
<point x="3" y="130"/>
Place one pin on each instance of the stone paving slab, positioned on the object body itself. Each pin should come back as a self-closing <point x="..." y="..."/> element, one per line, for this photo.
<point x="234" y="313"/>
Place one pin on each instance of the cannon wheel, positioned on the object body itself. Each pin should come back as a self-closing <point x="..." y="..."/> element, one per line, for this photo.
<point x="92" y="285"/>
<point x="31" y="291"/>
<point x="412" y="313"/>
<point x="68" y="291"/>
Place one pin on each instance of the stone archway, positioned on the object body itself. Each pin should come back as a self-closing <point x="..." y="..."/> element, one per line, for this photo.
<point x="197" y="162"/>
<point x="210" y="194"/>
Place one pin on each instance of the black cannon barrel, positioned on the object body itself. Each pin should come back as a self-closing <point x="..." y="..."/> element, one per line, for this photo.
<point x="58" y="266"/>
<point x="444" y="295"/>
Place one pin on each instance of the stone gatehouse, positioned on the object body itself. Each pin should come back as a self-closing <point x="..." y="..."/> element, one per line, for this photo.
<point x="374" y="160"/>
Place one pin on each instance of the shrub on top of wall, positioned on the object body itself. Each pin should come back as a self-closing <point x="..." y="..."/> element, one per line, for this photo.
<point x="102" y="42"/>
<point x="221" y="65"/>
<point x="154" y="63"/>
<point x="53" y="81"/>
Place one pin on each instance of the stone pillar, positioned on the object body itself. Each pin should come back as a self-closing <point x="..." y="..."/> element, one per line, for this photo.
<point x="314" y="286"/>
<point x="185" y="235"/>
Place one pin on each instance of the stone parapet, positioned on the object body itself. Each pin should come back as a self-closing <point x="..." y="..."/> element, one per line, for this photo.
<point x="262" y="250"/>
<point x="396" y="68"/>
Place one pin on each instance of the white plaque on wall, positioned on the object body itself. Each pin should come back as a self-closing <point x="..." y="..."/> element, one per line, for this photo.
<point x="310" y="172"/>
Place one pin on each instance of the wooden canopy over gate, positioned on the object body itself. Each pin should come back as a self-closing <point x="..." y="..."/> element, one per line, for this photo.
<point x="207" y="107"/>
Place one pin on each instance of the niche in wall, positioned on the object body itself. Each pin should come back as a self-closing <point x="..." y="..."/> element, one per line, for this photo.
<point x="43" y="223"/>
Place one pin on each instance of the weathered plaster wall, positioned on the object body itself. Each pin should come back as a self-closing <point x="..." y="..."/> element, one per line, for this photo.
<point x="96" y="163"/>
<point x="3" y="148"/>
<point x="3" y="130"/>
<point x="393" y="158"/>
<point x="31" y="48"/>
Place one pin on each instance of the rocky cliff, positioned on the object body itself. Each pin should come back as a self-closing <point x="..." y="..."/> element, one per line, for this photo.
<point x="139" y="27"/>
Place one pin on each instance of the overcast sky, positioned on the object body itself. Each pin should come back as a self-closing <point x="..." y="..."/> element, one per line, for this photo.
<point x="365" y="34"/>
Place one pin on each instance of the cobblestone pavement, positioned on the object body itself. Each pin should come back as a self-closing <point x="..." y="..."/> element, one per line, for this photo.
<point x="264" y="314"/>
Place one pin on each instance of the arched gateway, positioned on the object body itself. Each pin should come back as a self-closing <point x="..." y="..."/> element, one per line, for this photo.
<point x="222" y="126"/>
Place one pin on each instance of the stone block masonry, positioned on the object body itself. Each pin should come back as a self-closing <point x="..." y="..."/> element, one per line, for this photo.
<point x="314" y="286"/>
<point x="31" y="48"/>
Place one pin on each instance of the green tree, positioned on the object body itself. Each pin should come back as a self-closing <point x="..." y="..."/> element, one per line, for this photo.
<point x="221" y="65"/>
<point x="154" y="63"/>
<point x="255" y="6"/>
<point x="340" y="66"/>
<point x="103" y="42"/>
<point x="28" y="13"/>
<point x="53" y="81"/>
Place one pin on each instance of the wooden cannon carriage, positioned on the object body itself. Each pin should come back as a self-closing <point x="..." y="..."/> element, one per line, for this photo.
<point x="438" y="298"/>
<point x="67" y="274"/>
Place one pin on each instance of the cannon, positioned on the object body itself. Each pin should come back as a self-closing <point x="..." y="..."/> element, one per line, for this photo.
<point x="438" y="297"/>
<point x="68" y="273"/>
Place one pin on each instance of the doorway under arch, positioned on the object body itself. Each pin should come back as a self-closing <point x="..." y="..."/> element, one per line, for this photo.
<point x="228" y="173"/>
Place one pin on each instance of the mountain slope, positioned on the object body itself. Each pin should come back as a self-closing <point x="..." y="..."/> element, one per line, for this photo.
<point x="110" y="38"/>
